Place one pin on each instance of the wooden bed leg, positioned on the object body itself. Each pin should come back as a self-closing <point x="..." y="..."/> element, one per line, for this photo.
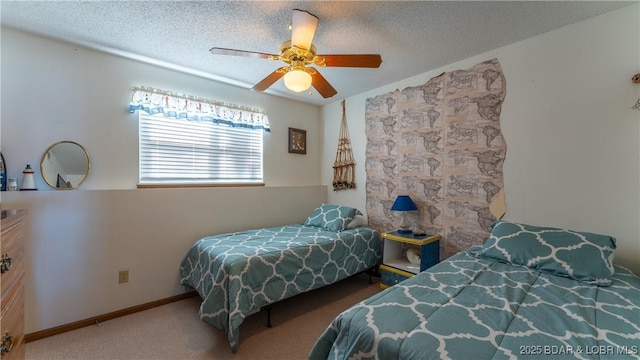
<point x="268" y="308"/>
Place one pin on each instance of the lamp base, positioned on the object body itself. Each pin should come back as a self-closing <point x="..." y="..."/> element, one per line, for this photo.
<point x="405" y="225"/>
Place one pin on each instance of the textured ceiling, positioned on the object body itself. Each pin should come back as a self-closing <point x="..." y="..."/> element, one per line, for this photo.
<point x="413" y="37"/>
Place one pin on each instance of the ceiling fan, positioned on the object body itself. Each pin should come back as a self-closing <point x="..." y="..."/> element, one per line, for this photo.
<point x="298" y="53"/>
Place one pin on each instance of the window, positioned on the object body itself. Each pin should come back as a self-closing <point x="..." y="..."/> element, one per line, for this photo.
<point x="189" y="141"/>
<point x="181" y="151"/>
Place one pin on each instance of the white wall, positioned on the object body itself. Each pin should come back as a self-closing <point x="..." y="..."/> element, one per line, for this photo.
<point x="53" y="91"/>
<point x="78" y="240"/>
<point x="572" y="140"/>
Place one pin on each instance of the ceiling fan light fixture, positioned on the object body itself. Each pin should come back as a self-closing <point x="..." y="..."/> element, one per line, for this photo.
<point x="298" y="53"/>
<point x="297" y="80"/>
<point x="303" y="27"/>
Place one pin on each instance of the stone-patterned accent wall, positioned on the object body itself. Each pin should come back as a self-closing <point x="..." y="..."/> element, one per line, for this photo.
<point x="441" y="144"/>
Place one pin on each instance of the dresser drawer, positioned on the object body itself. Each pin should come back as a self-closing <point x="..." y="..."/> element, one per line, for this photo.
<point x="12" y="321"/>
<point x="13" y="248"/>
<point x="390" y="276"/>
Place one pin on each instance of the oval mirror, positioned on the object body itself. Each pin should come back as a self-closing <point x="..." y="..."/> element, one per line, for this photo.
<point x="65" y="165"/>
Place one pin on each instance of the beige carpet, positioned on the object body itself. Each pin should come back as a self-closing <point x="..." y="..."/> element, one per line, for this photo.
<point x="174" y="331"/>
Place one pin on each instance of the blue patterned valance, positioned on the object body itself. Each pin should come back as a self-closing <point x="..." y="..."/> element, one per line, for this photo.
<point x="156" y="101"/>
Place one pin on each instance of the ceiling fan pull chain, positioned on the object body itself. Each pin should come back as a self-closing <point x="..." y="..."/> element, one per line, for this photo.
<point x="344" y="165"/>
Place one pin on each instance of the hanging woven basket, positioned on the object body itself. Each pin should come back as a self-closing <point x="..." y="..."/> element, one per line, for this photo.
<point x="344" y="165"/>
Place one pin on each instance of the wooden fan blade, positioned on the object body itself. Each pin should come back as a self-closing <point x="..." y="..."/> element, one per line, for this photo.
<point x="322" y="85"/>
<point x="270" y="79"/>
<point x="234" y="52"/>
<point x="303" y="27"/>
<point x="350" y="60"/>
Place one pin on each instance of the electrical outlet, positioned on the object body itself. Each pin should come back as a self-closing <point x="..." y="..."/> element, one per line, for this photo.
<point x="123" y="276"/>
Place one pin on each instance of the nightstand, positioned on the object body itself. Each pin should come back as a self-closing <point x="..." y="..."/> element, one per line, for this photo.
<point x="396" y="265"/>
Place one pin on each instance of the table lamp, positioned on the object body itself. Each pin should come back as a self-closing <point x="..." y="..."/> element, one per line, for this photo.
<point x="403" y="204"/>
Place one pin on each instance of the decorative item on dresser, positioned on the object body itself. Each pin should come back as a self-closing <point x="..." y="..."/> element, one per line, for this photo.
<point x="12" y="300"/>
<point x="405" y="255"/>
<point x="12" y="184"/>
<point x="3" y="173"/>
<point x="28" y="182"/>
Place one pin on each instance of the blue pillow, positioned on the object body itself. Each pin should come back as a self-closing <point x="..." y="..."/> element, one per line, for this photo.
<point x="581" y="256"/>
<point x="331" y="217"/>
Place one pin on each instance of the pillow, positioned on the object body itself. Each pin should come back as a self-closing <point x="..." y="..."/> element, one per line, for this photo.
<point x="331" y="217"/>
<point x="358" y="220"/>
<point x="581" y="256"/>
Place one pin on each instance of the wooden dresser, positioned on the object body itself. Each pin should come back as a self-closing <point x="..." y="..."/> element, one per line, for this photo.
<point x="12" y="301"/>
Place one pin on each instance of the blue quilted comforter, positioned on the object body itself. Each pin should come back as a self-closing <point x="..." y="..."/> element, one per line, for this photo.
<point x="472" y="308"/>
<point x="238" y="273"/>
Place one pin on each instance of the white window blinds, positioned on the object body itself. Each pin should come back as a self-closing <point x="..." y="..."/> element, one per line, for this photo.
<point x="184" y="139"/>
<point x="181" y="151"/>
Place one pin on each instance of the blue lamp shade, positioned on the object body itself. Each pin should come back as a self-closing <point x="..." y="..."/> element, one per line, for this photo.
<point x="404" y="203"/>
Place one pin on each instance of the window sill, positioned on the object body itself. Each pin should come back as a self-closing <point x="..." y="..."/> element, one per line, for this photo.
<point x="179" y="185"/>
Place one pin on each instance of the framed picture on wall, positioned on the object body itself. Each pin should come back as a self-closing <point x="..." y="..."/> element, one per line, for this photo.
<point x="297" y="141"/>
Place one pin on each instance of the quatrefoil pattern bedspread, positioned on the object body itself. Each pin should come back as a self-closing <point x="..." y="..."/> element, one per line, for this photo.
<point x="238" y="273"/>
<point x="475" y="308"/>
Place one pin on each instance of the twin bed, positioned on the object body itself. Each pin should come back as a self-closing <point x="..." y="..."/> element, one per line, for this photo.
<point x="527" y="292"/>
<point x="239" y="273"/>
